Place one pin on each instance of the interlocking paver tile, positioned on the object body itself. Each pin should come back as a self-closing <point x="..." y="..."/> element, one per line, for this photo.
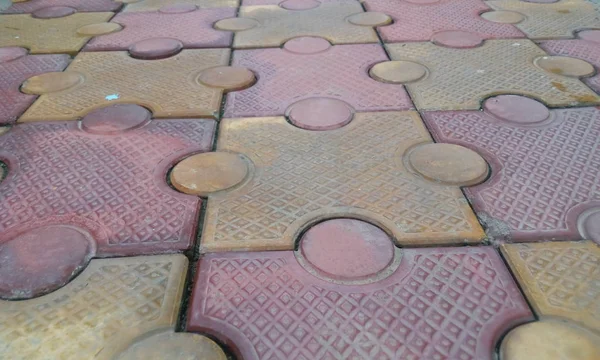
<point x="169" y="87"/>
<point x="275" y="25"/>
<point x="298" y="176"/>
<point x="153" y="5"/>
<point x="80" y="5"/>
<point x="17" y="66"/>
<point x="111" y="301"/>
<point x="193" y="28"/>
<point x="559" y="278"/>
<point x="54" y="35"/>
<point x="551" y="20"/>
<point x="543" y="174"/>
<point x="415" y="22"/>
<point x="108" y="179"/>
<point x="441" y="303"/>
<point x="459" y="79"/>
<point x="285" y="77"/>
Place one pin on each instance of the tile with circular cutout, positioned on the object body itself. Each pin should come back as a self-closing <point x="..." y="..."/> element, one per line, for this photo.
<point x="155" y="5"/>
<point x="31" y="6"/>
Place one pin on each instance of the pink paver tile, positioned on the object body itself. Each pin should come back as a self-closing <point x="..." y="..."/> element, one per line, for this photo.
<point x="106" y="177"/>
<point x="79" y="5"/>
<point x="277" y="2"/>
<point x="414" y="21"/>
<point x="440" y="303"/>
<point x="193" y="28"/>
<point x="286" y="77"/>
<point x="15" y="67"/>
<point x="544" y="168"/>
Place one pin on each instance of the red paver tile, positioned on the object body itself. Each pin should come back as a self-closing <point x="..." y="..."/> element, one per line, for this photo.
<point x="288" y="76"/>
<point x="106" y="179"/>
<point x="79" y="5"/>
<point x="15" y="67"/>
<point x="414" y="21"/>
<point x="194" y="28"/>
<point x="441" y="303"/>
<point x="544" y="166"/>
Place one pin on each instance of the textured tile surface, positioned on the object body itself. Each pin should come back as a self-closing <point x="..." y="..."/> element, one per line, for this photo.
<point x="58" y="35"/>
<point x="418" y="22"/>
<point x="542" y="177"/>
<point x="170" y="87"/>
<point x="12" y="74"/>
<point x="551" y="20"/>
<point x="300" y="176"/>
<point x="328" y="20"/>
<point x="153" y="5"/>
<point x="111" y="301"/>
<point x="446" y="303"/>
<point x="340" y="72"/>
<point x="460" y="79"/>
<point x="194" y="29"/>
<point x="81" y="5"/>
<point x="113" y="186"/>
<point x="559" y="278"/>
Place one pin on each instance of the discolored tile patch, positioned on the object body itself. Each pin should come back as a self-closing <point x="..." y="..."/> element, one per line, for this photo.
<point x="543" y="175"/>
<point x="30" y="6"/>
<point x="551" y="20"/>
<point x="42" y="36"/>
<point x="559" y="278"/>
<point x="193" y="28"/>
<point x="153" y="5"/>
<point x="452" y="303"/>
<point x="109" y="182"/>
<point x="275" y="25"/>
<point x="169" y="87"/>
<point x="415" y="22"/>
<point x="15" y="70"/>
<point x="339" y="72"/>
<point x="110" y="302"/>
<point x="459" y="79"/>
<point x="299" y="176"/>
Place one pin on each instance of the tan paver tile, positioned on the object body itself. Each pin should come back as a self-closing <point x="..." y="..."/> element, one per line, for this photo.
<point x="153" y="5"/>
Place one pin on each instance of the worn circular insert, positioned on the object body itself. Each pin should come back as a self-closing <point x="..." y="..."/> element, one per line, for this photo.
<point x="11" y="53"/>
<point x="503" y="17"/>
<point x="115" y="118"/>
<point x="320" y="114"/>
<point x="99" y="29"/>
<point x="51" y="82"/>
<point x="448" y="164"/>
<point x="42" y="260"/>
<point x="588" y="224"/>
<point x="398" y="72"/>
<point x="227" y="77"/>
<point x="457" y="39"/>
<point x="157" y="48"/>
<point x="53" y="12"/>
<point x="307" y="45"/>
<point x="370" y="19"/>
<point x="550" y="340"/>
<point x="516" y="109"/>
<point x="236" y="24"/>
<point x="564" y="65"/>
<point x="590" y="35"/>
<point x="171" y="345"/>
<point x="347" y="249"/>
<point x="202" y="174"/>
<point x="299" y="4"/>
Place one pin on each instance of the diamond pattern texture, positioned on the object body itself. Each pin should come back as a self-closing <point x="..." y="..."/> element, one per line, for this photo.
<point x="112" y="300"/>
<point x="168" y="87"/>
<point x="13" y="73"/>
<point x="111" y="185"/>
<point x="153" y="5"/>
<point x="459" y="79"/>
<point x="442" y="303"/>
<point x="340" y="72"/>
<point x="539" y="174"/>
<point x="300" y="176"/>
<point x="559" y="278"/>
<point x="30" y="6"/>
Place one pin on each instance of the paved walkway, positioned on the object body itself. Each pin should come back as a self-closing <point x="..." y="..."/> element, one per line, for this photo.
<point x="332" y="179"/>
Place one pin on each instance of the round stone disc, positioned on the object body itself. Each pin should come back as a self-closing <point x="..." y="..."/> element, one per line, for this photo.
<point x="589" y="225"/>
<point x="307" y="45"/>
<point x="398" y="72"/>
<point x="299" y="4"/>
<point x="516" y="109"/>
<point x="370" y="19"/>
<point x="52" y="12"/>
<point x="550" y="340"/>
<point x="42" y="260"/>
<point x="347" y="249"/>
<point x="590" y="35"/>
<point x="11" y="53"/>
<point x="178" y="8"/>
<point x="503" y="17"/>
<point x="448" y="164"/>
<point x="115" y="118"/>
<point x="457" y="39"/>
<point x="171" y="345"/>
<point x="320" y="114"/>
<point x="99" y="29"/>
<point x="236" y="24"/>
<point x="51" y="82"/>
<point x="230" y="78"/>
<point x="154" y="49"/>
<point x="202" y="174"/>
<point x="564" y="65"/>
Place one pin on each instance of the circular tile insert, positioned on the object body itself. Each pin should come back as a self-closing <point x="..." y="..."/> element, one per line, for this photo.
<point x="588" y="224"/>
<point x="457" y="39"/>
<point x="564" y="65"/>
<point x="550" y="340"/>
<point x="171" y="345"/>
<point x="516" y="109"/>
<point x="99" y="29"/>
<point x="11" y="53"/>
<point x="202" y="174"/>
<point x="370" y="19"/>
<point x="347" y="249"/>
<point x="227" y="77"/>
<point x="299" y="4"/>
<point x="53" y="12"/>
<point x="398" y="72"/>
<point x="590" y="35"/>
<point x="51" y="82"/>
<point x="236" y="24"/>
<point x="42" y="260"/>
<point x="177" y="8"/>
<point x="503" y="17"/>
<point x="157" y="48"/>
<point x="115" y="118"/>
<point x="320" y="114"/>
<point x="448" y="164"/>
<point x="307" y="45"/>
